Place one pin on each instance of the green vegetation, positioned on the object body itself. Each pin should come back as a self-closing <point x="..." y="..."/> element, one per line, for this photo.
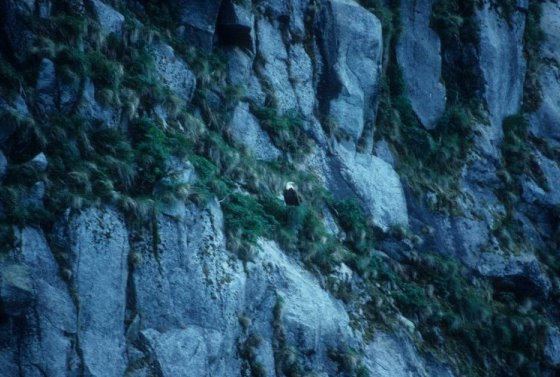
<point x="532" y="41"/>
<point x="466" y="320"/>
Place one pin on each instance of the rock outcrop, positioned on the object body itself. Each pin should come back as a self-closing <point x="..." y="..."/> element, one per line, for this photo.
<point x="141" y="226"/>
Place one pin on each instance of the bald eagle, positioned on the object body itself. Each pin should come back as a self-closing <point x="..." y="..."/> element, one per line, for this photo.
<point x="291" y="196"/>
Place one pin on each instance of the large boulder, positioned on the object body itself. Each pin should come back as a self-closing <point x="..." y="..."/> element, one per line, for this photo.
<point x="174" y="72"/>
<point x="199" y="17"/>
<point x="45" y="333"/>
<point x="187" y="287"/>
<point x="97" y="242"/>
<point x="109" y="19"/>
<point x="290" y="311"/>
<point x="349" y="77"/>
<point x="419" y="56"/>
<point x="375" y="184"/>
<point x="16" y="290"/>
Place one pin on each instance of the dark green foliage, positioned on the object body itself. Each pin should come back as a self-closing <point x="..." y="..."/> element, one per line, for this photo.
<point x="104" y="72"/>
<point x="515" y="149"/>
<point x="285" y="130"/>
<point x="150" y="144"/>
<point x="533" y="39"/>
<point x="244" y="213"/>
<point x="10" y="80"/>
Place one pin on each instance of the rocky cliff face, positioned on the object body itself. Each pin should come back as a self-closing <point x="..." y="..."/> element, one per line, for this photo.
<point x="144" y="146"/>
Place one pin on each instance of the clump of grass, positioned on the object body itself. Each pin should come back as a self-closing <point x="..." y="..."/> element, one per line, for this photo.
<point x="286" y="130"/>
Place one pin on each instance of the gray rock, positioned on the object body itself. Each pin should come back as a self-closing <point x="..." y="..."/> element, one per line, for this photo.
<point x="174" y="72"/>
<point x="552" y="347"/>
<point x="40" y="162"/>
<point x="76" y="7"/>
<point x="301" y="77"/>
<point x="34" y="197"/>
<point x="377" y="186"/>
<point x="383" y="151"/>
<point x="350" y="77"/>
<point x="245" y="130"/>
<point x="239" y="65"/>
<point x="47" y="343"/>
<point x="199" y="19"/>
<point x="503" y="66"/>
<point x="69" y="90"/>
<point x="3" y="165"/>
<point x="313" y="321"/>
<point x="89" y="108"/>
<point x="274" y="63"/>
<point x="44" y="8"/>
<point x="522" y="273"/>
<point x="255" y="92"/>
<point x="550" y="25"/>
<point x="15" y="29"/>
<point x="548" y="196"/>
<point x="32" y="289"/>
<point x="395" y="356"/>
<point x="545" y="121"/>
<point x="523" y="5"/>
<point x="186" y="280"/>
<point x="109" y="19"/>
<point x="235" y="25"/>
<point x="465" y="234"/>
<point x="16" y="289"/>
<point x="47" y="87"/>
<point x="185" y="352"/>
<point x="97" y="241"/>
<point x="419" y="55"/>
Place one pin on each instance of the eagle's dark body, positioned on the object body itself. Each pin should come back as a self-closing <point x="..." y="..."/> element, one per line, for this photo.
<point x="291" y="196"/>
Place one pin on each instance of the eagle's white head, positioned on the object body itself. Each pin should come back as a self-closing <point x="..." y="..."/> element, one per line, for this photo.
<point x="290" y="186"/>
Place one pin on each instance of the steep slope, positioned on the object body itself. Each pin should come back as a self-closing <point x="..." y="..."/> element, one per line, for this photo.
<point x="144" y="147"/>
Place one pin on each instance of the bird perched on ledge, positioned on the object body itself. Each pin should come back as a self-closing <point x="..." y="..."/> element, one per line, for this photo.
<point x="291" y="196"/>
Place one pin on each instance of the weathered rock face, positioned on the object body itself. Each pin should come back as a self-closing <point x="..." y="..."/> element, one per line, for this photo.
<point x="546" y="120"/>
<point x="377" y="185"/>
<point x="98" y="244"/>
<point x="107" y="297"/>
<point x="394" y="356"/>
<point x="199" y="20"/>
<point x="110" y="20"/>
<point x="552" y="350"/>
<point x="246" y="131"/>
<point x="49" y="314"/>
<point x="503" y="66"/>
<point x="174" y="72"/>
<point x="351" y="66"/>
<point x="419" y="55"/>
